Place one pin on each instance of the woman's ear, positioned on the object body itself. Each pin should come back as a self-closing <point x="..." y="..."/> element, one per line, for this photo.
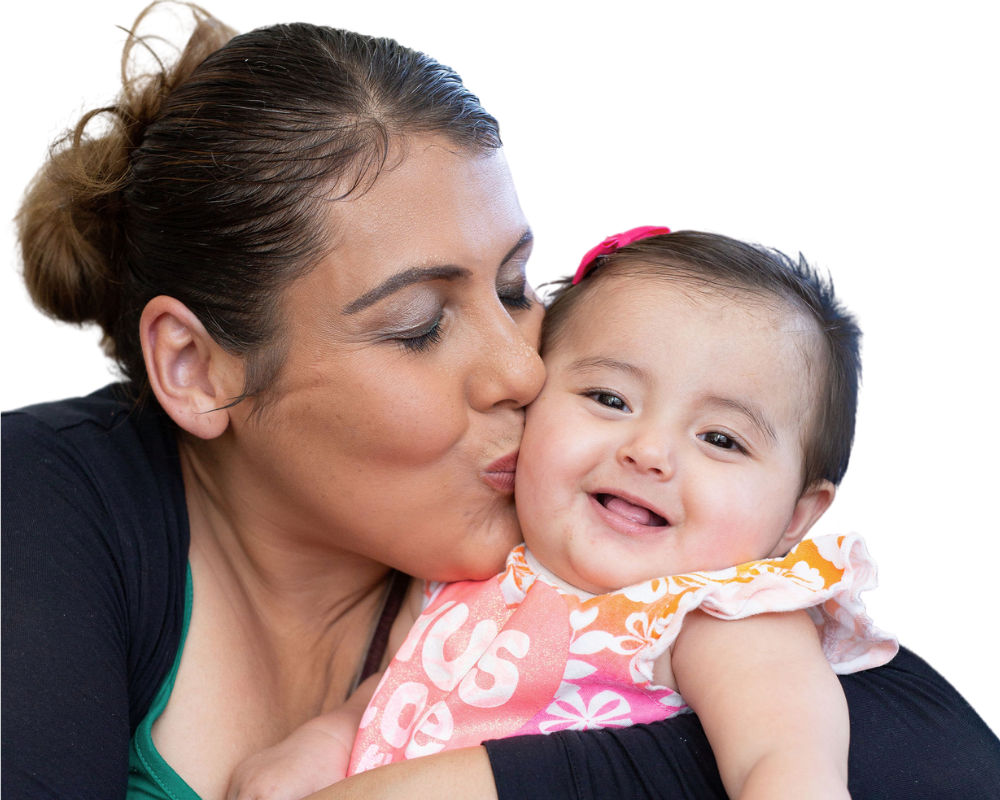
<point x="810" y="507"/>
<point x="190" y="374"/>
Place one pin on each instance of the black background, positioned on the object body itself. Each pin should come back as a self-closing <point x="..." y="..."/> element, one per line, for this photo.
<point x="610" y="122"/>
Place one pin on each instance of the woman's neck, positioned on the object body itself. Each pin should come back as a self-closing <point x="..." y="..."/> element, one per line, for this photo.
<point x="307" y="604"/>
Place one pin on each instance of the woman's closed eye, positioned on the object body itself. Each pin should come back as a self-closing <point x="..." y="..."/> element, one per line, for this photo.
<point x="426" y="336"/>
<point x="514" y="295"/>
<point x="420" y="339"/>
<point x="423" y="337"/>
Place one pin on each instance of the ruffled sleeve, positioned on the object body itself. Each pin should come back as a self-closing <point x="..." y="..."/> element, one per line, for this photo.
<point x="825" y="576"/>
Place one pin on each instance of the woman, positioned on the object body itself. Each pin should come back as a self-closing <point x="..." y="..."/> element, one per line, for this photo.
<point x="307" y="256"/>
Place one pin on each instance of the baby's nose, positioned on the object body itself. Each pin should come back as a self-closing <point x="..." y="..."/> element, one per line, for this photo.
<point x="648" y="454"/>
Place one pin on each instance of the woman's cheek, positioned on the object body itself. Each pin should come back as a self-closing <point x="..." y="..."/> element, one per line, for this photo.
<point x="412" y="426"/>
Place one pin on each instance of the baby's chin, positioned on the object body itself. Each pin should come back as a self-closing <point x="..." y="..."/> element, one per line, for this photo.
<point x="606" y="584"/>
<point x="585" y="571"/>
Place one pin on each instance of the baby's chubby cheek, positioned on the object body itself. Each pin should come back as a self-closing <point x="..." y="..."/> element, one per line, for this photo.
<point x="736" y="526"/>
<point x="529" y="467"/>
<point x="538" y="473"/>
<point x="552" y="463"/>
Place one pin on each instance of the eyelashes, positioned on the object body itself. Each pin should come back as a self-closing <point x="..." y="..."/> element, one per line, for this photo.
<point x="608" y="399"/>
<point x="718" y="439"/>
<point x="425" y="339"/>
<point x="723" y="441"/>
<point x="421" y="341"/>
<point x="521" y="302"/>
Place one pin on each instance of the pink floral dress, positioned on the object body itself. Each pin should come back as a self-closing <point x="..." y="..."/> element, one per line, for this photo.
<point x="519" y="654"/>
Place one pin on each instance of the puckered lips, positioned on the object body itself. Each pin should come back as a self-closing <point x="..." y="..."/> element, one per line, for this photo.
<point x="627" y="513"/>
<point x="500" y="474"/>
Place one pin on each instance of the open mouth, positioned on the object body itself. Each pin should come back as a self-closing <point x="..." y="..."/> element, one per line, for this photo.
<point x="637" y="514"/>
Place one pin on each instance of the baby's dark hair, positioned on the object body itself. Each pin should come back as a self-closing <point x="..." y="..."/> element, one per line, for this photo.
<point x="713" y="263"/>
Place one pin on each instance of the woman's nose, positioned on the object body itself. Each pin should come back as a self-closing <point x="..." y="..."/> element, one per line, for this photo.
<point x="649" y="453"/>
<point x="510" y="371"/>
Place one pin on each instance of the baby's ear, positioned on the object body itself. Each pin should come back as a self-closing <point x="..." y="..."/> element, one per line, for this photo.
<point x="810" y="507"/>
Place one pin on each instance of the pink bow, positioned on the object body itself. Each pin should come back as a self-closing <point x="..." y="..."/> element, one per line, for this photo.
<point x="613" y="242"/>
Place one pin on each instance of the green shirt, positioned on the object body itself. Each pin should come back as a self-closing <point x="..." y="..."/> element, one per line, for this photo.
<point x="149" y="776"/>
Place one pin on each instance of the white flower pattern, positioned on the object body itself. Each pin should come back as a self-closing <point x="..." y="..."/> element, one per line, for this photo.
<point x="573" y="713"/>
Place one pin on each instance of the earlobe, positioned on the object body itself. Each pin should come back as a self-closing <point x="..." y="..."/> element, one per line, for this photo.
<point x="190" y="374"/>
<point x="810" y="507"/>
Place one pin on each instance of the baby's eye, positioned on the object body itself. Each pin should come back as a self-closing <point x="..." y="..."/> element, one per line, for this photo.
<point x="720" y="440"/>
<point x="609" y="400"/>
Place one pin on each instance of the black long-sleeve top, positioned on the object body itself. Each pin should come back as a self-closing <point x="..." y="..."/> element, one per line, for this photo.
<point x="95" y="547"/>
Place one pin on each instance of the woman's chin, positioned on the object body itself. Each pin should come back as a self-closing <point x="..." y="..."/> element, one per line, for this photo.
<point x="481" y="553"/>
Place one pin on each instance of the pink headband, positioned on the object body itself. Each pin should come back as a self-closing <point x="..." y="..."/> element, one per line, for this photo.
<point x="614" y="243"/>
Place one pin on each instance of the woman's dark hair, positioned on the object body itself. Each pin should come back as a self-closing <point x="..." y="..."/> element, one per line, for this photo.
<point x="208" y="181"/>
<point x="713" y="263"/>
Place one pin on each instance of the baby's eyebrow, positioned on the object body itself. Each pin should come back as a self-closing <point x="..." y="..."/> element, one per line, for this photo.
<point x="599" y="362"/>
<point x="748" y="410"/>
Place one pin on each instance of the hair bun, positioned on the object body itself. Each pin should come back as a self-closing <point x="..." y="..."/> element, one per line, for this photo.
<point x="70" y="225"/>
<point x="151" y="63"/>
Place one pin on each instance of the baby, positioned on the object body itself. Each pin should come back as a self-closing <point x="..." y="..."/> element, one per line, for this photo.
<point x="698" y="413"/>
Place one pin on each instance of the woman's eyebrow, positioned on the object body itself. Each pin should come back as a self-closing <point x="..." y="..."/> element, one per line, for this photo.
<point x="413" y="275"/>
<point x="403" y="279"/>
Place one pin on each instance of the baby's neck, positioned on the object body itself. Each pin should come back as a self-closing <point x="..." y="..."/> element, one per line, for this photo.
<point x="540" y="569"/>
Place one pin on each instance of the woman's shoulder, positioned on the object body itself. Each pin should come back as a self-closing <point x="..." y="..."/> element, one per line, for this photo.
<point x="95" y="546"/>
<point x="100" y="443"/>
<point x="84" y="420"/>
<point x="95" y="532"/>
<point x="96" y="470"/>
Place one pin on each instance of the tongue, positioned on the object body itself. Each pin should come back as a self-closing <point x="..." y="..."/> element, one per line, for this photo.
<point x="637" y="514"/>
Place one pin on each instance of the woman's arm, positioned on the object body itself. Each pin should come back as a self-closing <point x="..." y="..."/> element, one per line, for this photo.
<point x="772" y="707"/>
<point x="94" y="556"/>
<point x="913" y="737"/>
<point x="776" y="713"/>
<point x="463" y="774"/>
<point x="65" y="650"/>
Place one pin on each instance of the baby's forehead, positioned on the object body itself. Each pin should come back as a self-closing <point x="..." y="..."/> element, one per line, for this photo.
<point x="675" y="303"/>
<point x="749" y="337"/>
